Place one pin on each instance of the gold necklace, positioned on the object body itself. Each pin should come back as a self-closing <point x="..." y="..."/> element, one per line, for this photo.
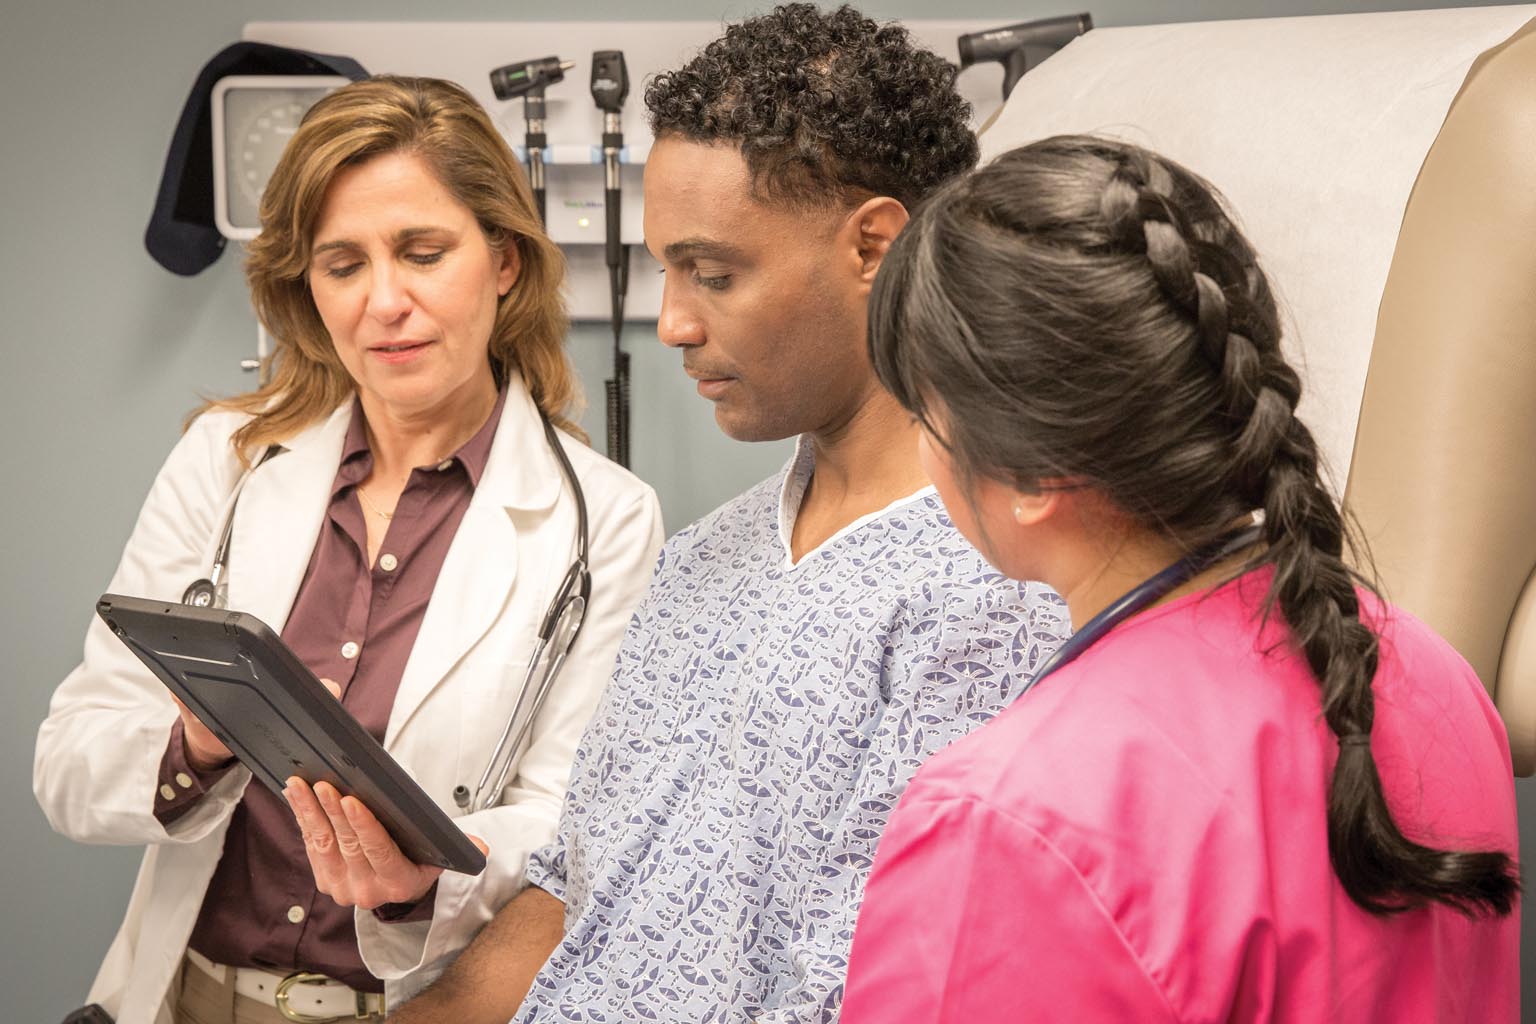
<point x="386" y="516"/>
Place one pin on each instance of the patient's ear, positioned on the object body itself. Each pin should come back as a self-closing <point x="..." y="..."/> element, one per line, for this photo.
<point x="869" y="232"/>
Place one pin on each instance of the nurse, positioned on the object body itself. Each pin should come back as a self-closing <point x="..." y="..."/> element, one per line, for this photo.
<point x="1268" y="795"/>
<point x="406" y="535"/>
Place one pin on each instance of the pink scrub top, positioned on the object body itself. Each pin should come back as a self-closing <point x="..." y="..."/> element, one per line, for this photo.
<point x="1144" y="838"/>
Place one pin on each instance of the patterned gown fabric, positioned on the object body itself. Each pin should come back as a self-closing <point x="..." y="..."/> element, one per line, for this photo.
<point x="762" y="721"/>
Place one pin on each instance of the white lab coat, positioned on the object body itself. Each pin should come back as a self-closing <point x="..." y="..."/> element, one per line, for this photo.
<point x="99" y="750"/>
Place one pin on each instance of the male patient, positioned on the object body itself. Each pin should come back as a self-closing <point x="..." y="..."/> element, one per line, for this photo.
<point x="803" y="648"/>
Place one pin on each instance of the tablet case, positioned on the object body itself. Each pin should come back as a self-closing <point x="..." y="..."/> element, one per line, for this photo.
<point x="239" y="678"/>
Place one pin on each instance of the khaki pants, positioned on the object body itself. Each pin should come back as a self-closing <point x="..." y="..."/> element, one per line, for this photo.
<point x="205" y="1001"/>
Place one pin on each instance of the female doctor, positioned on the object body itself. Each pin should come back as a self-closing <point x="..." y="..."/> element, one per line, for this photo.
<point x="400" y="515"/>
<point x="1250" y="790"/>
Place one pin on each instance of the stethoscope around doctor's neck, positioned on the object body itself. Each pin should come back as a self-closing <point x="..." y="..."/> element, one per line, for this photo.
<point x="558" y="628"/>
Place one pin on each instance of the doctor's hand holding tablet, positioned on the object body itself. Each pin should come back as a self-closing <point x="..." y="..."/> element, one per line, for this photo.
<point x="355" y="860"/>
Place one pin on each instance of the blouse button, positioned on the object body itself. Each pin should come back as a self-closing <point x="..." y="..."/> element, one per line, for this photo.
<point x="349" y="650"/>
<point x="295" y="913"/>
<point x="388" y="563"/>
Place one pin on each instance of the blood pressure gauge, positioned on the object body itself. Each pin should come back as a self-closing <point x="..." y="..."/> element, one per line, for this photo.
<point x="254" y="116"/>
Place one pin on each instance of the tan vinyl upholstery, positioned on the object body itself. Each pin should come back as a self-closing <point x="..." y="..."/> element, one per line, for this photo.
<point x="1443" y="478"/>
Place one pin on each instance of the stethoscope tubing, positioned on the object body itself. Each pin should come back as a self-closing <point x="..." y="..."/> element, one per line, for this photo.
<point x="206" y="592"/>
<point x="479" y="800"/>
<point x="487" y="793"/>
<point x="1137" y="599"/>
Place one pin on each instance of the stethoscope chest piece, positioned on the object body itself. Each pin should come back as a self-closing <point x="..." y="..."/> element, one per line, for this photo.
<point x="200" y="594"/>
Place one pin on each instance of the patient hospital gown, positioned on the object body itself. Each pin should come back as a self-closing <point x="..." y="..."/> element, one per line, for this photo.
<point x="762" y="720"/>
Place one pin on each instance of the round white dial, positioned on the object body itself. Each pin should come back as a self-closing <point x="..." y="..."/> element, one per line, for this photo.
<point x="258" y="143"/>
<point x="254" y="116"/>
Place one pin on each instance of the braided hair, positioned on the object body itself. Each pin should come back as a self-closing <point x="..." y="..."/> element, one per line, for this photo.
<point x="1097" y="315"/>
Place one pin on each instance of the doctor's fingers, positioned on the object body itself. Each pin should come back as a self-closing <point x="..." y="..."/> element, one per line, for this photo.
<point x="346" y="838"/>
<point x="325" y="861"/>
<point x="394" y="879"/>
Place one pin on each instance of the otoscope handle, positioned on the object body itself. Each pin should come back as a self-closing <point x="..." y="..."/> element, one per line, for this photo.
<point x="611" y="255"/>
<point x="610" y="87"/>
<point x="536" y="175"/>
<point x="534" y="141"/>
<point x="534" y="109"/>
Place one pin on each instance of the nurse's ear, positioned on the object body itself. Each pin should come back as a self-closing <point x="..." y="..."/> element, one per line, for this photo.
<point x="1034" y="506"/>
<point x="511" y="266"/>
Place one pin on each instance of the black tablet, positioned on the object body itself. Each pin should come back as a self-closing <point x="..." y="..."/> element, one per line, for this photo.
<point x="240" y="679"/>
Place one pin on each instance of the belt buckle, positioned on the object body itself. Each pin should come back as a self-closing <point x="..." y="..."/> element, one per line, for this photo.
<point x="280" y="997"/>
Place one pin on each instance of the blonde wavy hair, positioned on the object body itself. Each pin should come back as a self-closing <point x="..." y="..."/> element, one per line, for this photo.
<point x="442" y="125"/>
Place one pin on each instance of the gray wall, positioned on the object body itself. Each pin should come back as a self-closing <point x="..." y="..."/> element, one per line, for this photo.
<point x="103" y="352"/>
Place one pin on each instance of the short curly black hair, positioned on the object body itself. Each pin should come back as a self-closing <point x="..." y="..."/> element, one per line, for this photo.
<point x="825" y="105"/>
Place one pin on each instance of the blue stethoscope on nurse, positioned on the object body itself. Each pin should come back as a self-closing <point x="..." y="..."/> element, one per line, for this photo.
<point x="1142" y="595"/>
<point x="557" y="630"/>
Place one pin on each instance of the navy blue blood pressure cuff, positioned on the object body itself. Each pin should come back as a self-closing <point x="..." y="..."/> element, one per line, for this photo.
<point x="181" y="235"/>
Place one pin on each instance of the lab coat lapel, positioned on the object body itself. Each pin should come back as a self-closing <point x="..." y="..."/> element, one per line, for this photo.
<point x="477" y="577"/>
<point x="278" y="519"/>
